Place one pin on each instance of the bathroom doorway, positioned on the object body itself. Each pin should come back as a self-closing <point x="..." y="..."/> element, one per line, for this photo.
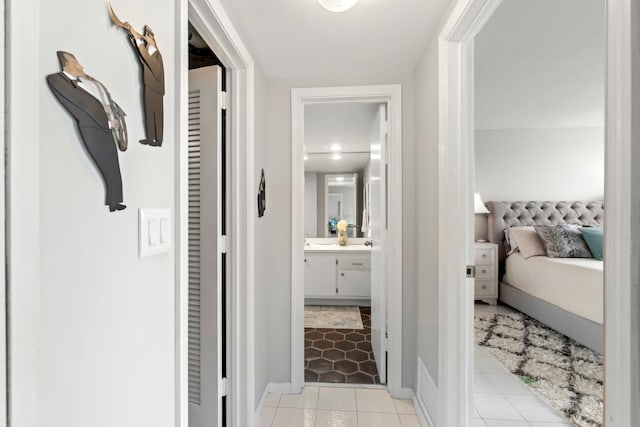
<point x="342" y="159"/>
<point x="344" y="311"/>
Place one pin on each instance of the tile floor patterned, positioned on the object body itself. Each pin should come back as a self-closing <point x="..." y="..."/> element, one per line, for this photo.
<point x="340" y="355"/>
<point x="337" y="407"/>
<point x="501" y="399"/>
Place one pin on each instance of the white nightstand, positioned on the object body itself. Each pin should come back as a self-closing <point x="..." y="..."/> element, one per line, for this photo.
<point x="486" y="285"/>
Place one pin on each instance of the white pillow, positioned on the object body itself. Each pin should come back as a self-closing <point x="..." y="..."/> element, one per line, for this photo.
<point x="527" y="241"/>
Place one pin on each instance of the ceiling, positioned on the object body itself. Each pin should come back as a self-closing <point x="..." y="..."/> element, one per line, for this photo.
<point x="298" y="39"/>
<point x="541" y="64"/>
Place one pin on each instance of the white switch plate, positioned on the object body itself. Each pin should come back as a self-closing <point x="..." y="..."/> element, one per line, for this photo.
<point x="154" y="231"/>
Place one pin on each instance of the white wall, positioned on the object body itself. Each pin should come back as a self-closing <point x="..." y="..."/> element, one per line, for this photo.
<point x="426" y="195"/>
<point x="311" y="204"/>
<point x="276" y="276"/>
<point x="263" y="235"/>
<point x="635" y="216"/>
<point x="539" y="64"/>
<point x="103" y="334"/>
<point x="540" y="164"/>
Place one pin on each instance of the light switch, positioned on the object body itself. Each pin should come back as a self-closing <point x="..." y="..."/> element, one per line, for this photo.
<point x="165" y="230"/>
<point x="154" y="229"/>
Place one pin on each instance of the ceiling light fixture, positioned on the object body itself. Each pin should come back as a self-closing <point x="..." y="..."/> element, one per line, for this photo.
<point x="335" y="147"/>
<point x="336" y="156"/>
<point x="337" y="5"/>
<point x="306" y="157"/>
<point x="340" y="178"/>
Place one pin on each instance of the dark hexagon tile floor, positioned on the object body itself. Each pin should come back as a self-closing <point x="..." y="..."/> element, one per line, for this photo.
<point x="340" y="355"/>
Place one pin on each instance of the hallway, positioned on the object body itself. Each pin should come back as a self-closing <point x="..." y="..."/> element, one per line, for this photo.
<point x="337" y="407"/>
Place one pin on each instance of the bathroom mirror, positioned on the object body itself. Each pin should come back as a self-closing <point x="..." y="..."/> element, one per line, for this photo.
<point x="337" y="157"/>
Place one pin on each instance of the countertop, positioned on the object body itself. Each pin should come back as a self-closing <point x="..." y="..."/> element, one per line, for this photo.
<point x="337" y="248"/>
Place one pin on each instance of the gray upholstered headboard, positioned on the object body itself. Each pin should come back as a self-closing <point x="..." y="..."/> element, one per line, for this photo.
<point x="517" y="214"/>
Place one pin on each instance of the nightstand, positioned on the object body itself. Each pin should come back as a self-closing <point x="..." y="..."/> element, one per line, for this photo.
<point x="486" y="283"/>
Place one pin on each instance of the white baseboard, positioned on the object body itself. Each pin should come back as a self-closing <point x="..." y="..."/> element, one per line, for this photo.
<point x="406" y="394"/>
<point x="278" y="388"/>
<point x="426" y="398"/>
<point x="271" y="388"/>
<point x="423" y="417"/>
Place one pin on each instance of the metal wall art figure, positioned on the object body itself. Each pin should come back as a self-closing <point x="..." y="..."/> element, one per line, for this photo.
<point x="152" y="77"/>
<point x="100" y="121"/>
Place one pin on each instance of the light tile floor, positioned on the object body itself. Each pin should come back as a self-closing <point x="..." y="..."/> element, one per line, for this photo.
<point x="337" y="407"/>
<point x="500" y="398"/>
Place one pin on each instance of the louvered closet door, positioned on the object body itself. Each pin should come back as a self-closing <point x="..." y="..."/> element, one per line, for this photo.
<point x="205" y="278"/>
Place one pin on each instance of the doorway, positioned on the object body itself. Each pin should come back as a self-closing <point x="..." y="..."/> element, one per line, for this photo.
<point x="457" y="148"/>
<point x="539" y="342"/>
<point x="386" y="300"/>
<point x="345" y="242"/>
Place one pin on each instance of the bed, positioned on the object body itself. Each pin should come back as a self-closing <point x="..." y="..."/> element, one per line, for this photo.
<point x="566" y="294"/>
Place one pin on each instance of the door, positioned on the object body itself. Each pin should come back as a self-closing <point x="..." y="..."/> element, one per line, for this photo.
<point x="379" y="138"/>
<point x="205" y="265"/>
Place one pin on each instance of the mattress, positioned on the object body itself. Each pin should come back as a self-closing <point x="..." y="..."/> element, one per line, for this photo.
<point x="573" y="284"/>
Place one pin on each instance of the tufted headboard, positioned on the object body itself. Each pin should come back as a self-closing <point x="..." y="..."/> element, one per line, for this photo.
<point x="517" y="214"/>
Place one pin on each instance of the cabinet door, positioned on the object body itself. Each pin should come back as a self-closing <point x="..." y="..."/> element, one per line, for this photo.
<point x="354" y="283"/>
<point x="319" y="275"/>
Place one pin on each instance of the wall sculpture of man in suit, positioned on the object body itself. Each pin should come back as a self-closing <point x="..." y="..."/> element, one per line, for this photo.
<point x="153" y="80"/>
<point x="72" y="87"/>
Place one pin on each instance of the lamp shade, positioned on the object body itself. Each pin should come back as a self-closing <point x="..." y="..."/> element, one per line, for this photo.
<point x="478" y="206"/>
<point x="337" y="5"/>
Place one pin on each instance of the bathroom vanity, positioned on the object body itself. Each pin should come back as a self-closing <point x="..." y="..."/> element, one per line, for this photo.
<point x="337" y="272"/>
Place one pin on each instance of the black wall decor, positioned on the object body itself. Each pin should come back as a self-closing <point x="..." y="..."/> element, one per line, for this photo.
<point x="152" y="68"/>
<point x="262" y="196"/>
<point x="100" y="122"/>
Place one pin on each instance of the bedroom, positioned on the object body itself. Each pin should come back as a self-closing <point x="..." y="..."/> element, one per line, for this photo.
<point x="539" y="162"/>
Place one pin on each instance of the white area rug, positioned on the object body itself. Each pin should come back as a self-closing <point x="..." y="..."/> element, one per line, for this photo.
<point x="332" y="317"/>
<point x="565" y="374"/>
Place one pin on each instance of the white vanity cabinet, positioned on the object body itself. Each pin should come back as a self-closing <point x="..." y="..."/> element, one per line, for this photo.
<point x="335" y="275"/>
<point x="320" y="275"/>
<point x="354" y="276"/>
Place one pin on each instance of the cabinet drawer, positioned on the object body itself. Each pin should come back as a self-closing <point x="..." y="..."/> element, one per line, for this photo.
<point x="354" y="263"/>
<point x="485" y="271"/>
<point x="485" y="287"/>
<point x="485" y="256"/>
<point x="354" y="283"/>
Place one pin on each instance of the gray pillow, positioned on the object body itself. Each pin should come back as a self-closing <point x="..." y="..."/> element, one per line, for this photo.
<point x="563" y="241"/>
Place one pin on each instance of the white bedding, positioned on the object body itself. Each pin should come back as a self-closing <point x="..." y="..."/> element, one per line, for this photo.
<point x="573" y="284"/>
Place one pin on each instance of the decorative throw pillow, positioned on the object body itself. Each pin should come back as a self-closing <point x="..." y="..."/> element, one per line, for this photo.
<point x="510" y="243"/>
<point x="594" y="236"/>
<point x="528" y="242"/>
<point x="563" y="241"/>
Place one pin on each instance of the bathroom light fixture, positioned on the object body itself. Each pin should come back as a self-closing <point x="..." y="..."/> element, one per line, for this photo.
<point x="478" y="206"/>
<point x="339" y="178"/>
<point x="337" y="5"/>
<point x="336" y="156"/>
<point x="306" y="157"/>
<point x="335" y="147"/>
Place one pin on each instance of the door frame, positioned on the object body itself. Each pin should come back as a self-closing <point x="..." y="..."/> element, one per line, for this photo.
<point x="456" y="146"/>
<point x="212" y="23"/>
<point x="392" y="96"/>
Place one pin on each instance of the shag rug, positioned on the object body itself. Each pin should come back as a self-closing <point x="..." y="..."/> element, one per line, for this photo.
<point x="332" y="317"/>
<point x="565" y="374"/>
